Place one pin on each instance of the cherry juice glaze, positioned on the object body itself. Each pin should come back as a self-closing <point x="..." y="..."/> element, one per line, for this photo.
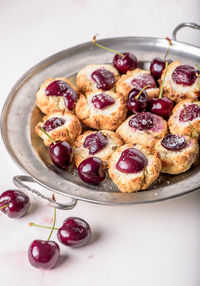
<point x="62" y="88"/>
<point x="102" y="100"/>
<point x="174" y="142"/>
<point x="131" y="161"/>
<point x="95" y="142"/>
<point x="189" y="112"/>
<point x="53" y="123"/>
<point x="144" y="79"/>
<point x="103" y="78"/>
<point x="184" y="75"/>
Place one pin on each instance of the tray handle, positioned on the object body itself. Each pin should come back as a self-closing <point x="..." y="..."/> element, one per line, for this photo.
<point x="183" y="25"/>
<point x="18" y="181"/>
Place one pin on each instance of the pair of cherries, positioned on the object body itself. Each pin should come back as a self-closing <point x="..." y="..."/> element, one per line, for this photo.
<point x="91" y="169"/>
<point x="75" y="232"/>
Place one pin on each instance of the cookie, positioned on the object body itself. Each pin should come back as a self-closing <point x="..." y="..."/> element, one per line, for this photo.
<point x="134" y="167"/>
<point x="99" y="76"/>
<point x="177" y="153"/>
<point x="142" y="128"/>
<point x="137" y="78"/>
<point x="60" y="125"/>
<point x="183" y="112"/>
<point x="56" y="94"/>
<point x="181" y="82"/>
<point x="101" y="110"/>
<point x="100" y="144"/>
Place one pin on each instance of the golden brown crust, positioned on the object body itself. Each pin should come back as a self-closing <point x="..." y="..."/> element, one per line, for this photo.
<point x="123" y="87"/>
<point x="81" y="153"/>
<point x="180" y="161"/>
<point x="183" y="128"/>
<point x="48" y="104"/>
<point x="108" y="118"/>
<point x="139" y="181"/>
<point x="86" y="84"/>
<point x="146" y="137"/>
<point x="67" y="132"/>
<point x="177" y="92"/>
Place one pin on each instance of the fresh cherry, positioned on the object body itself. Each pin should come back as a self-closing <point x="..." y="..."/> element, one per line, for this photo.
<point x="104" y="79"/>
<point x="137" y="100"/>
<point x="53" y="123"/>
<point x="121" y="61"/>
<point x="157" y="67"/>
<point x="75" y="232"/>
<point x="161" y="106"/>
<point x="124" y="63"/>
<point x="62" y="88"/>
<point x="142" y="121"/>
<point x="95" y="142"/>
<point x="91" y="171"/>
<point x="174" y="142"/>
<point x="102" y="100"/>
<point x="61" y="154"/>
<point x="43" y="254"/>
<point x="184" y="75"/>
<point x="144" y="79"/>
<point x="131" y="161"/>
<point x="189" y="112"/>
<point x="14" y="203"/>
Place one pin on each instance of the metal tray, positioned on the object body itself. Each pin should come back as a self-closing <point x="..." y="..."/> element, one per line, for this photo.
<point x="19" y="117"/>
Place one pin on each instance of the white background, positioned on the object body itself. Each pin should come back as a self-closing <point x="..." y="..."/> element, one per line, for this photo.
<point x="156" y="244"/>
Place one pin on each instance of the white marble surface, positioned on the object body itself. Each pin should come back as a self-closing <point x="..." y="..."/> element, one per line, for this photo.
<point x="155" y="244"/>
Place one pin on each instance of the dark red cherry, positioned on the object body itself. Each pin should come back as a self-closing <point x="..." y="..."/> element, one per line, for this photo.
<point x="75" y="232"/>
<point x="17" y="203"/>
<point x="184" y="75"/>
<point x="190" y="112"/>
<point x="144" y="79"/>
<point x="104" y="79"/>
<point x="137" y="104"/>
<point x="157" y="67"/>
<point x="61" y="154"/>
<point x="142" y="121"/>
<point x="123" y="64"/>
<point x="43" y="254"/>
<point x="174" y="142"/>
<point x="198" y="139"/>
<point x="102" y="100"/>
<point x="91" y="171"/>
<point x="53" y="123"/>
<point x="131" y="161"/>
<point x="62" y="88"/>
<point x="95" y="142"/>
<point x="161" y="106"/>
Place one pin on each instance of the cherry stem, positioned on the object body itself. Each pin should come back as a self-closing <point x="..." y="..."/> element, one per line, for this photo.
<point x="170" y="44"/>
<point x="42" y="226"/>
<point x="198" y="67"/>
<point x="192" y="127"/>
<point x="163" y="81"/>
<point x="42" y="129"/>
<point x="105" y="48"/>
<point x="3" y="207"/>
<point x="148" y="85"/>
<point x="54" y="222"/>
